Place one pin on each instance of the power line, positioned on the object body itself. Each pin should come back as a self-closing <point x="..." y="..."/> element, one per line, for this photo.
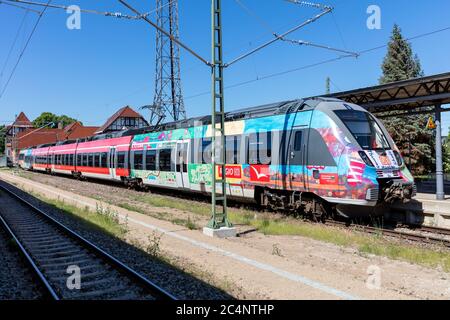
<point x="339" y="30"/>
<point x="107" y="14"/>
<point x="167" y="34"/>
<point x="55" y="6"/>
<point x="20" y="7"/>
<point x="24" y="48"/>
<point x="324" y="11"/>
<point x="13" y="44"/>
<point x="273" y="75"/>
<point x="261" y="21"/>
<point x="265" y="25"/>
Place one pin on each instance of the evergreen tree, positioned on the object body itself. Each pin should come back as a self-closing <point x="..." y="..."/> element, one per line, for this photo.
<point x="446" y="154"/>
<point x="401" y="64"/>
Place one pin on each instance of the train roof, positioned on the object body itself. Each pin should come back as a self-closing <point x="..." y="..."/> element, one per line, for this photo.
<point x="277" y="108"/>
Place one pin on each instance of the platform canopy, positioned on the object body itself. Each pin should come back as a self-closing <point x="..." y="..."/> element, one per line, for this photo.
<point x="409" y="96"/>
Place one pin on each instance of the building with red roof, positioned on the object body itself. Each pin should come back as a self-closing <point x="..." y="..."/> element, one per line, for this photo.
<point x="21" y="134"/>
<point x="125" y="118"/>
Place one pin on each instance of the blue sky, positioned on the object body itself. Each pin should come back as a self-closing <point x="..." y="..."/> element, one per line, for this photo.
<point x="90" y="73"/>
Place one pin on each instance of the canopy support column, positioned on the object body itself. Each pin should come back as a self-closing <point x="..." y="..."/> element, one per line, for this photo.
<point x="440" y="194"/>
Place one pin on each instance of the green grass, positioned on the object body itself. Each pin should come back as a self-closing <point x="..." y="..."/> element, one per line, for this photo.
<point x="102" y="219"/>
<point x="413" y="254"/>
<point x="273" y="225"/>
<point x="179" y="204"/>
<point x="277" y="226"/>
<point x="188" y="223"/>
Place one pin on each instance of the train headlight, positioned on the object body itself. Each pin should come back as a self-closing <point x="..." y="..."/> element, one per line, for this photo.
<point x="365" y="158"/>
<point x="399" y="158"/>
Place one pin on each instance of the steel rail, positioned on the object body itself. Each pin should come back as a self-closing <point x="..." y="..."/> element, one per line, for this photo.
<point x="395" y="233"/>
<point x="155" y="290"/>
<point x="399" y="234"/>
<point x="50" y="290"/>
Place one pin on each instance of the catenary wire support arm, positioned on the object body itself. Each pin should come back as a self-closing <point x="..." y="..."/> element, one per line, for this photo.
<point x="56" y="6"/>
<point x="325" y="11"/>
<point x="311" y="44"/>
<point x="310" y="4"/>
<point x="167" y="34"/>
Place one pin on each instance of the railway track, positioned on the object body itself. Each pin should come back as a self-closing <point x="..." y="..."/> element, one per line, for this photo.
<point x="417" y="237"/>
<point x="433" y="235"/>
<point x="55" y="253"/>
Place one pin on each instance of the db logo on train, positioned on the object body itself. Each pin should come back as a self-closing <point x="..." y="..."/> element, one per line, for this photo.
<point x="231" y="172"/>
<point x="260" y="173"/>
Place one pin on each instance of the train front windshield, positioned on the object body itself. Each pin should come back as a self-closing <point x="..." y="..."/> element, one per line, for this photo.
<point x="364" y="128"/>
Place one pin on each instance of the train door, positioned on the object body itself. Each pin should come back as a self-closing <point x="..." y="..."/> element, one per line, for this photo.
<point x="296" y="160"/>
<point x="182" y="164"/>
<point x="112" y="162"/>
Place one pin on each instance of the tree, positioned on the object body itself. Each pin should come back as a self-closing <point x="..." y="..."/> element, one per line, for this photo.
<point x="47" y="117"/>
<point x="410" y="132"/>
<point x="400" y="63"/>
<point x="65" y="120"/>
<point x="2" y="138"/>
<point x="446" y="153"/>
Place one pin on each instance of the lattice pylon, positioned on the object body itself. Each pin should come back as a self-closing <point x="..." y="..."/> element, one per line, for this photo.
<point x="168" y="101"/>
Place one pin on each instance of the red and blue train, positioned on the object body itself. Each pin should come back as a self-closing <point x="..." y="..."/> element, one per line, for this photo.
<point x="318" y="156"/>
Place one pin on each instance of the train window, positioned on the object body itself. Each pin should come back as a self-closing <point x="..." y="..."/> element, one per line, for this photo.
<point x="121" y="160"/>
<point x="85" y="160"/>
<point x="165" y="160"/>
<point x="233" y="144"/>
<point x="138" y="160"/>
<point x="364" y="128"/>
<point x="91" y="160"/>
<point x="150" y="160"/>
<point x="97" y="160"/>
<point x="298" y="141"/>
<point x="104" y="160"/>
<point x="79" y="162"/>
<point x="260" y="148"/>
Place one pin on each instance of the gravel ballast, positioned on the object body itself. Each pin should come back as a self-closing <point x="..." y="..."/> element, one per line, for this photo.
<point x="177" y="282"/>
<point x="16" y="281"/>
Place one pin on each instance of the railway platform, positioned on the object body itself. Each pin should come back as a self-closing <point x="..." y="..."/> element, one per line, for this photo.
<point x="425" y="209"/>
